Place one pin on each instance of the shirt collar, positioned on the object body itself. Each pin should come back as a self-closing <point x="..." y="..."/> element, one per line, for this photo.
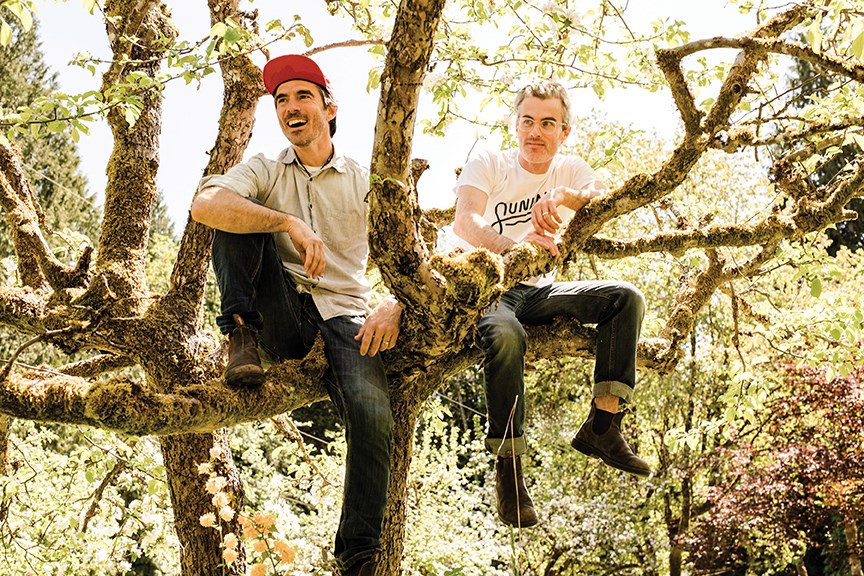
<point x="289" y="156"/>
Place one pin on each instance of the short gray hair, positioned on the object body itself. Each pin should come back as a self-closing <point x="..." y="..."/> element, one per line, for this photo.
<point x="544" y="90"/>
<point x="328" y="101"/>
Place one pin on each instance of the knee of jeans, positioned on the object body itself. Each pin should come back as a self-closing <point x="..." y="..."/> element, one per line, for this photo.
<point x="504" y="339"/>
<point x="632" y="299"/>
<point x="372" y="418"/>
<point x="230" y="245"/>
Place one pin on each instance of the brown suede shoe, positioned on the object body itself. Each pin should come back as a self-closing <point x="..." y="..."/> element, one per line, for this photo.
<point x="515" y="507"/>
<point x="609" y="446"/>
<point x="244" y="365"/>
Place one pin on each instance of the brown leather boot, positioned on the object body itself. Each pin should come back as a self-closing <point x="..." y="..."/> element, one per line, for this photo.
<point x="609" y="446"/>
<point x="514" y="504"/>
<point x="244" y="365"/>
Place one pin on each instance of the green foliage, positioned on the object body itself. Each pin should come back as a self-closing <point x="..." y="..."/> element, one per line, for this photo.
<point x="56" y="520"/>
<point x="58" y="112"/>
<point x="22" y="12"/>
<point x="594" y="519"/>
<point x="51" y="162"/>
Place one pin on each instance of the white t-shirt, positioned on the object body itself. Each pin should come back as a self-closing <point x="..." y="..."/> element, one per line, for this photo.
<point x="513" y="191"/>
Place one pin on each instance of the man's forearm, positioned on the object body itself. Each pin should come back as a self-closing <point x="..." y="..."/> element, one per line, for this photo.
<point x="477" y="232"/>
<point x="227" y="211"/>
<point x="576" y="199"/>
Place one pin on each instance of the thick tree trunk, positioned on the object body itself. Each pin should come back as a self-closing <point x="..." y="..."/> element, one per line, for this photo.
<point x="851" y="530"/>
<point x="405" y="413"/>
<point x="403" y="266"/>
<point x="137" y="32"/>
<point x="676" y="550"/>
<point x="5" y="425"/>
<point x="200" y="547"/>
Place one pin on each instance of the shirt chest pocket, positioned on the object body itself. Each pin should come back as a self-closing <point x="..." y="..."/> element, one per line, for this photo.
<point x="344" y="228"/>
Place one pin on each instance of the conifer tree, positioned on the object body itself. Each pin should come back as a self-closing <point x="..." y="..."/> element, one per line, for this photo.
<point x="50" y="159"/>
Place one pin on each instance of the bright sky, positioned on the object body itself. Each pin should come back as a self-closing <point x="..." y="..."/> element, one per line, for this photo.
<point x="191" y="116"/>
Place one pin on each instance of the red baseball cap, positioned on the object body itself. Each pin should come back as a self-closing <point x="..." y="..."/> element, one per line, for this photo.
<point x="293" y="67"/>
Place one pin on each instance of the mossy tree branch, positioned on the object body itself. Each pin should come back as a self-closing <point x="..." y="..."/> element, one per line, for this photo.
<point x="37" y="265"/>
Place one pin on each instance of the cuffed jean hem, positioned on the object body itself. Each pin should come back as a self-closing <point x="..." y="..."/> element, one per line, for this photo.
<point x="357" y="558"/>
<point x="613" y="388"/>
<point x="507" y="447"/>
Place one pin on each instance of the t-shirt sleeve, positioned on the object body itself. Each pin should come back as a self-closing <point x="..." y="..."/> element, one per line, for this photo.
<point x="251" y="179"/>
<point x="479" y="173"/>
<point x="580" y="173"/>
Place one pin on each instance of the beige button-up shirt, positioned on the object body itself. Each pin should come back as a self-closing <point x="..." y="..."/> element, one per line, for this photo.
<point x="332" y="202"/>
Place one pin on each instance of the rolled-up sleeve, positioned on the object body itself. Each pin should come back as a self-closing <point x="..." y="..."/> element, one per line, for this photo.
<point x="252" y="179"/>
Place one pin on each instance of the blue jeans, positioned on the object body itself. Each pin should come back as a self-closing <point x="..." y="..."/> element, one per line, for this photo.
<point x="616" y="308"/>
<point x="254" y="285"/>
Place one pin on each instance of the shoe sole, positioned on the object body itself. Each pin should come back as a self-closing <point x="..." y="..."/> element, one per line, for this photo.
<point x="525" y="524"/>
<point x="246" y="379"/>
<point x="589" y="451"/>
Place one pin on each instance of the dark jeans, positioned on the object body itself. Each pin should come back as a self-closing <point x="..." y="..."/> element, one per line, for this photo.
<point x="616" y="308"/>
<point x="254" y="285"/>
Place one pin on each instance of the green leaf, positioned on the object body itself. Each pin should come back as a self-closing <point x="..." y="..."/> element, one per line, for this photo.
<point x="232" y="35"/>
<point x="152" y="486"/>
<point x="131" y="115"/>
<point x="672" y="442"/>
<point x="374" y="81"/>
<point x="5" y="33"/>
<point x="218" y="30"/>
<point x="692" y="441"/>
<point x="23" y="14"/>
<point x="274" y="25"/>
<point x="90" y="5"/>
<point x="210" y="47"/>
<point x="814" y="36"/>
<point x="815" y="287"/>
<point x="90" y="475"/>
<point x="857" y="47"/>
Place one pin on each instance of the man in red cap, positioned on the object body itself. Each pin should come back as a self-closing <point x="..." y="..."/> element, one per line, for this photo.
<point x="290" y="256"/>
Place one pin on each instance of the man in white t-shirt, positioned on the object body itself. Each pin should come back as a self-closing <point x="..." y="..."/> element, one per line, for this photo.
<point x="527" y="195"/>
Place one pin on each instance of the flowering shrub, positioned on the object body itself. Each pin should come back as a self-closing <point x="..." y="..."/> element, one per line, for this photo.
<point x="266" y="549"/>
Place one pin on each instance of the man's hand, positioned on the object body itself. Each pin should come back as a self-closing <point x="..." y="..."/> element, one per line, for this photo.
<point x="381" y="328"/>
<point x="544" y="214"/>
<point x="544" y="241"/>
<point x="310" y="247"/>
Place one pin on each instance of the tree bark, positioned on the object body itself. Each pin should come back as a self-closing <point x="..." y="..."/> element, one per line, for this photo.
<point x="5" y="427"/>
<point x="408" y="54"/>
<point x="200" y="547"/>
<point x="137" y="31"/>
<point x="405" y="414"/>
<point x="850" y="528"/>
